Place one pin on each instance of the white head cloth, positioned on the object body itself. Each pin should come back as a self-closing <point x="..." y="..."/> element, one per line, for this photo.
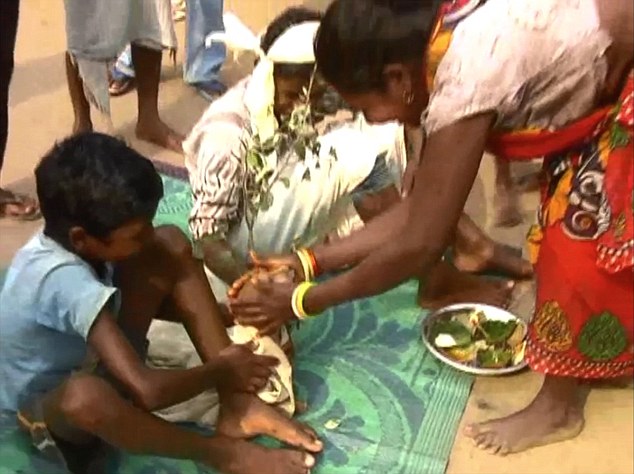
<point x="294" y="46"/>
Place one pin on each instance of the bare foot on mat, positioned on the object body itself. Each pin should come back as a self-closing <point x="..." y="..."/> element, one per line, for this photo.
<point x="235" y="456"/>
<point x="160" y="134"/>
<point x="246" y="416"/>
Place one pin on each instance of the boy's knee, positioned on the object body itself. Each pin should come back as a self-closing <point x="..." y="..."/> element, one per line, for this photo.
<point x="174" y="240"/>
<point x="83" y="402"/>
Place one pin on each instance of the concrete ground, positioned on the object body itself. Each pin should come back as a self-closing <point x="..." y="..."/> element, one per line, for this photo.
<point x="40" y="113"/>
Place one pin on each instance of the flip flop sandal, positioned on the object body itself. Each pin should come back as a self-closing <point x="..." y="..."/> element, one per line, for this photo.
<point x="21" y="201"/>
<point x="119" y="87"/>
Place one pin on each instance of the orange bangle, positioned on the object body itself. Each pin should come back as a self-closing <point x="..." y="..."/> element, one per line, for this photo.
<point x="313" y="262"/>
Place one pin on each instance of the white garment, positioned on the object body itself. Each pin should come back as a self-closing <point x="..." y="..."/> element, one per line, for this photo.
<point x="171" y="348"/>
<point x="536" y="63"/>
<point x="389" y="137"/>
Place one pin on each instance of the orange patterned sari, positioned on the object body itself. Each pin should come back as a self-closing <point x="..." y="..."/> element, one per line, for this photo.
<point x="583" y="243"/>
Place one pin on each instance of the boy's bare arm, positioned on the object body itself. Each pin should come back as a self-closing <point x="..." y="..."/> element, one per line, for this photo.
<point x="236" y="368"/>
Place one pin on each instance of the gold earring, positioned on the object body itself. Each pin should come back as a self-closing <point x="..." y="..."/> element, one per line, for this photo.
<point x="408" y="97"/>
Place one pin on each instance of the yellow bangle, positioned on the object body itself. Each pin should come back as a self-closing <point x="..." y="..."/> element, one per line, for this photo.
<point x="306" y="262"/>
<point x="297" y="300"/>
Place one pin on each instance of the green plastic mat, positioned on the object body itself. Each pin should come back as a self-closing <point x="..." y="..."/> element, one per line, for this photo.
<point x="363" y="370"/>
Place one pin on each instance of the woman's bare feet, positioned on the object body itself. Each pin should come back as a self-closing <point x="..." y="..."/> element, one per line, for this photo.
<point x="476" y="252"/>
<point x="446" y="286"/>
<point x="493" y="256"/>
<point x="235" y="456"/>
<point x="556" y="414"/>
<point x="157" y="132"/>
<point x="246" y="416"/>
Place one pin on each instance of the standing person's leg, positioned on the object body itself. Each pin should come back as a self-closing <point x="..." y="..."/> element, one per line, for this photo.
<point x="505" y="201"/>
<point x="81" y="107"/>
<point x="202" y="65"/>
<point x="11" y="204"/>
<point x="122" y="74"/>
<point x="150" y="127"/>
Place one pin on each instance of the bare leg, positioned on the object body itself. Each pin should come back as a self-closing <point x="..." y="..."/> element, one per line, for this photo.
<point x="150" y="127"/>
<point x="556" y="414"/>
<point x="445" y="285"/>
<point x="167" y="280"/>
<point x="81" y="107"/>
<point x="474" y="251"/>
<point x="505" y="201"/>
<point x="87" y="407"/>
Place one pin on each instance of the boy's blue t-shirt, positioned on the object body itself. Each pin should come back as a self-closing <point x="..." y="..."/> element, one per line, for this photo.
<point x="49" y="302"/>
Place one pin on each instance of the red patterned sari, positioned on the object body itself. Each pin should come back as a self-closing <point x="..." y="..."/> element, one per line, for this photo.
<point x="583" y="243"/>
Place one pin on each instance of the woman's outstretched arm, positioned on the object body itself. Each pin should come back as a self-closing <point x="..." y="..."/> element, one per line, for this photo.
<point x="413" y="235"/>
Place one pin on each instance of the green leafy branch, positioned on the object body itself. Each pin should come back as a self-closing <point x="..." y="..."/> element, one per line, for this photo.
<point x="296" y="135"/>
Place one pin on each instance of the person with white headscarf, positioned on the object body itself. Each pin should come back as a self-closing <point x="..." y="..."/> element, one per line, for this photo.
<point x="215" y="150"/>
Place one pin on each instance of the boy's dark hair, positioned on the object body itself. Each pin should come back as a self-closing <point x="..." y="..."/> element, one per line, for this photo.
<point x="290" y="17"/>
<point x="358" y="38"/>
<point x="97" y="182"/>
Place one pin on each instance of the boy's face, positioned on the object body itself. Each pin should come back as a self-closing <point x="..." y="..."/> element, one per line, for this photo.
<point x="120" y="244"/>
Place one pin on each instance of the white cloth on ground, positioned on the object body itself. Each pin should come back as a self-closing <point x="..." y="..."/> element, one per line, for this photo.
<point x="98" y="30"/>
<point x="171" y="348"/>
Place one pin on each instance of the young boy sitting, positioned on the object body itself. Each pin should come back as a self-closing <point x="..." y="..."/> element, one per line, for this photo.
<point x="74" y="313"/>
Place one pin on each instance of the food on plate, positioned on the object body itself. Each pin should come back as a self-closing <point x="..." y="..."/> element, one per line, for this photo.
<point x="470" y="337"/>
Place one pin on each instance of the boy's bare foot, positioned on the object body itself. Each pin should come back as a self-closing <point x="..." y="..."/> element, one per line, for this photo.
<point x="160" y="134"/>
<point x="474" y="252"/>
<point x="234" y="456"/>
<point x="556" y="414"/>
<point x="465" y="288"/>
<point x="246" y="416"/>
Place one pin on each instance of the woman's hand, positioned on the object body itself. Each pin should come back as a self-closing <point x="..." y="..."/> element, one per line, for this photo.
<point x="272" y="264"/>
<point x="264" y="301"/>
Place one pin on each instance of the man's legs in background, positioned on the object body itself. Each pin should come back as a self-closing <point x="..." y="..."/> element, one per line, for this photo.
<point x="202" y="65"/>
<point x="11" y="204"/>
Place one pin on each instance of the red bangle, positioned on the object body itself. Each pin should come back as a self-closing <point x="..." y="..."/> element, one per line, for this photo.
<point x="313" y="262"/>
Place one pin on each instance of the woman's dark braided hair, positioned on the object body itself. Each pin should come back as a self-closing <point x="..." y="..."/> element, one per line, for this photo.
<point x="358" y="38"/>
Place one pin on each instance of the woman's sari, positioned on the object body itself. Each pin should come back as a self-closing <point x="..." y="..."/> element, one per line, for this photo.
<point x="583" y="243"/>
